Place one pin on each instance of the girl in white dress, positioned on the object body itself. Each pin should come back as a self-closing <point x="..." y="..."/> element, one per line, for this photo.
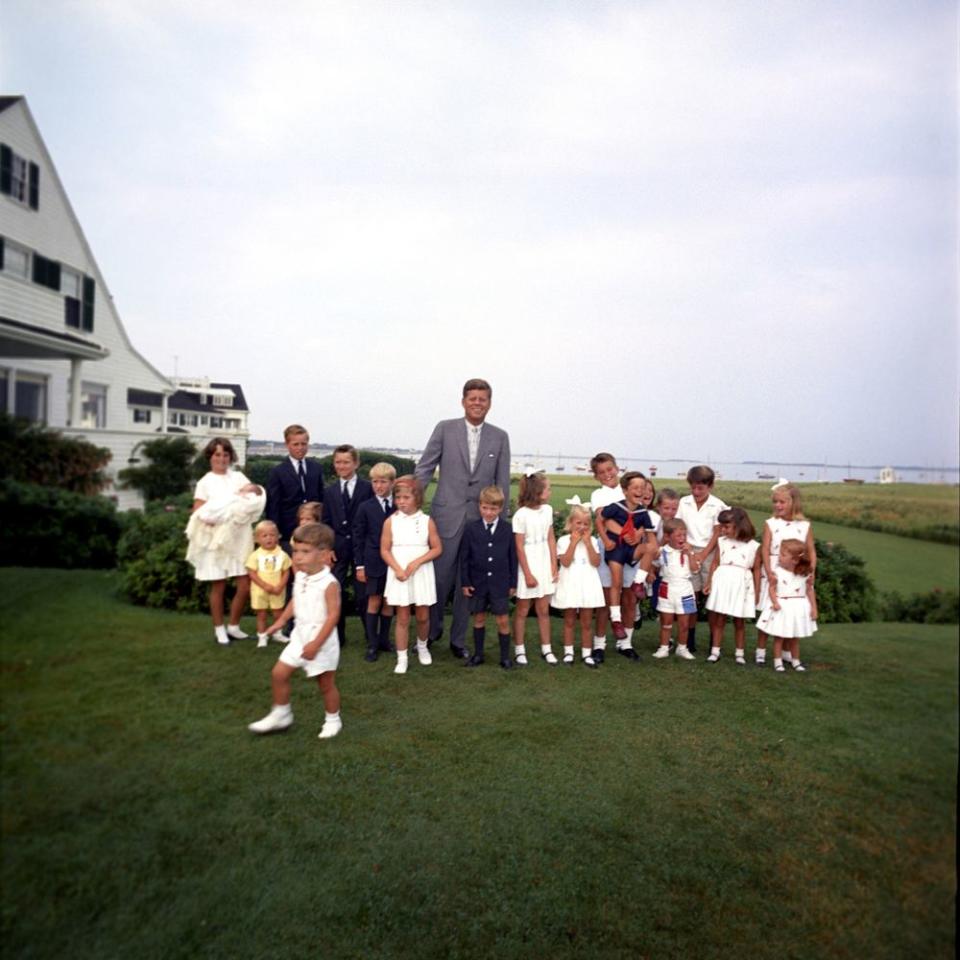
<point x="409" y="543"/>
<point x="220" y="534"/>
<point x="792" y="611"/>
<point x="731" y="586"/>
<point x="787" y="523"/>
<point x="579" y="586"/>
<point x="537" y="560"/>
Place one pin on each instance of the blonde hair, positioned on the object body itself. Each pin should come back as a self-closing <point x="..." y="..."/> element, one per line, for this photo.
<point x="317" y="535"/>
<point x="796" y="501"/>
<point x="293" y="430"/>
<point x="576" y="511"/>
<point x="385" y="470"/>
<point x="312" y="507"/>
<point x="266" y="525"/>
<point x="492" y="495"/>
<point x="671" y="526"/>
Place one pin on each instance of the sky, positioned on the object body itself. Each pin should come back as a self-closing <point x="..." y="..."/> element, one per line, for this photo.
<point x="690" y="230"/>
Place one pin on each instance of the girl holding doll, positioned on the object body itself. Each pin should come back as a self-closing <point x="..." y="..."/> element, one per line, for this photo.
<point x="537" y="561"/>
<point x="579" y="591"/>
<point x="787" y="523"/>
<point x="732" y="584"/>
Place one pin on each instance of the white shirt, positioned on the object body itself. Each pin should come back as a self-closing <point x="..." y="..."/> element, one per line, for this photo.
<point x="473" y="441"/>
<point x="700" y="523"/>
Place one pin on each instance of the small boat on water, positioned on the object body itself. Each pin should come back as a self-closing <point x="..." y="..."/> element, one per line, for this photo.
<point x="766" y="476"/>
<point x="853" y="480"/>
<point x="653" y="469"/>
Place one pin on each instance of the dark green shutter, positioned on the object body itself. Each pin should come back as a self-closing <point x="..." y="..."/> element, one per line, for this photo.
<point x="1" y="253"/>
<point x="89" y="288"/>
<point x="46" y="272"/>
<point x="34" y="186"/>
<point x="6" y="168"/>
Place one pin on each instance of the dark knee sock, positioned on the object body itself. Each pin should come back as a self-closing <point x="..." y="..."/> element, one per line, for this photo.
<point x="384" y="635"/>
<point x="504" y="639"/>
<point x="370" y="627"/>
<point x="478" y="635"/>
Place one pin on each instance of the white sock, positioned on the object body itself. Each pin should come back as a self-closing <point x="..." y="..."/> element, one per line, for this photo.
<point x="599" y="643"/>
<point x="421" y="644"/>
<point x="739" y="654"/>
<point x="681" y="646"/>
<point x="546" y="648"/>
<point x="777" y="662"/>
<point x="714" y="651"/>
<point x="761" y="656"/>
<point x="520" y="651"/>
<point x="282" y="709"/>
<point x="331" y="716"/>
<point x="586" y="652"/>
<point x="221" y="633"/>
<point x="401" y="656"/>
<point x="568" y="651"/>
<point x="615" y="614"/>
<point x="629" y="635"/>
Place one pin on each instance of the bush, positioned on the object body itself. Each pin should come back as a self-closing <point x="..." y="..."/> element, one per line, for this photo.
<point x="845" y="592"/>
<point x="47" y="527"/>
<point x="169" y="472"/>
<point x="151" y="556"/>
<point x="33" y="453"/>
<point x="937" y="606"/>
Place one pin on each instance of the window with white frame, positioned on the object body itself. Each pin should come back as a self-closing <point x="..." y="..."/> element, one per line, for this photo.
<point x="18" y="178"/>
<point x="30" y="397"/>
<point x="16" y="260"/>
<point x="140" y="415"/>
<point x="93" y="406"/>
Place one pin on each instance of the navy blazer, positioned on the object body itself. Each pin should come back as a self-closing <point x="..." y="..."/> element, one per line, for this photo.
<point x="489" y="561"/>
<point x="284" y="494"/>
<point x="342" y="523"/>
<point x="367" y="528"/>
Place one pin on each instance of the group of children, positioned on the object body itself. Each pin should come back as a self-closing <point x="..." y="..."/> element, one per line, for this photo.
<point x="686" y="554"/>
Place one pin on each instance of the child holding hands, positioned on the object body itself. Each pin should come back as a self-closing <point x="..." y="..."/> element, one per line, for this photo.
<point x="578" y="588"/>
<point x="792" y="609"/>
<point x="677" y="599"/>
<point x="314" y="645"/>
<point x="269" y="570"/>
<point x="408" y="545"/>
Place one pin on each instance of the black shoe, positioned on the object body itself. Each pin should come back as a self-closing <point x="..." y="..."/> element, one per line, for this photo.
<point x="371" y="655"/>
<point x="474" y="661"/>
<point x="461" y="653"/>
<point x="507" y="664"/>
<point x="386" y="647"/>
<point x="627" y="652"/>
<point x="599" y="655"/>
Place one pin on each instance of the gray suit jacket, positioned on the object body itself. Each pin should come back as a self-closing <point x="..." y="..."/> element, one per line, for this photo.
<point x="455" y="500"/>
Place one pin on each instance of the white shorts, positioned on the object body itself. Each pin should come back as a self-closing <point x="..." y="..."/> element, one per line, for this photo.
<point x="327" y="658"/>
<point x="675" y="599"/>
<point x="629" y="573"/>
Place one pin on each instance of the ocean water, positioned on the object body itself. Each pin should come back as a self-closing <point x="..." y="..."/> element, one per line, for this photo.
<point x="797" y="472"/>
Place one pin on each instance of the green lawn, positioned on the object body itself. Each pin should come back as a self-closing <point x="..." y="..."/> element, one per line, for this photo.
<point x="668" y="809"/>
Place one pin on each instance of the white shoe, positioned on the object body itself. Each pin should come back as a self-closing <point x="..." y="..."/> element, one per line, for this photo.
<point x="797" y="665"/>
<point x="780" y="668"/>
<point x="684" y="654"/>
<point x="275" y="721"/>
<point x="331" y="727"/>
<point x="550" y="657"/>
<point x="235" y="633"/>
<point x="423" y="653"/>
<point x="660" y="653"/>
<point x="740" y="661"/>
<point x="262" y="640"/>
<point x="401" y="666"/>
<point x="713" y="658"/>
<point x="520" y="657"/>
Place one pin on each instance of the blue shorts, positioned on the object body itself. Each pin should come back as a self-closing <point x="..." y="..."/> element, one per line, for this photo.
<point x="375" y="586"/>
<point x="485" y="599"/>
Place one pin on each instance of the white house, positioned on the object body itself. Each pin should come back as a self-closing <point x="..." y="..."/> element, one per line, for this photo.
<point x="65" y="358"/>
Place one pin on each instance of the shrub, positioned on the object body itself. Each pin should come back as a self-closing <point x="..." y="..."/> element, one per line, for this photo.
<point x="845" y="592"/>
<point x="169" y="472"/>
<point x="47" y="527"/>
<point x="33" y="453"/>
<point x="937" y="606"/>
<point x="151" y="556"/>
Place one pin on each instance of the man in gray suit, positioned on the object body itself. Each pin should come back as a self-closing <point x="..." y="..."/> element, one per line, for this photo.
<point x="471" y="455"/>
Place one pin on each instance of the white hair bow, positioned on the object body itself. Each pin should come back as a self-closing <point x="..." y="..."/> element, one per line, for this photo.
<point x="575" y="501"/>
<point x="532" y="473"/>
<point x="782" y="482"/>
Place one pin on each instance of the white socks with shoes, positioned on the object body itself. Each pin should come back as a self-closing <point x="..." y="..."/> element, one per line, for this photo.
<point x="332" y="725"/>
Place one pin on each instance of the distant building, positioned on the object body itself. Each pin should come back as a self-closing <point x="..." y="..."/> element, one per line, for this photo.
<point x="65" y="358"/>
<point x="888" y="475"/>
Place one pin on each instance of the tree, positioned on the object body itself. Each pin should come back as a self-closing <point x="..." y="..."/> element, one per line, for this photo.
<point x="169" y="472"/>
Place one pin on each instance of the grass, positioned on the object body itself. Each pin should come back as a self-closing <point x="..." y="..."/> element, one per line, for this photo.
<point x="661" y="810"/>
<point x="894" y="562"/>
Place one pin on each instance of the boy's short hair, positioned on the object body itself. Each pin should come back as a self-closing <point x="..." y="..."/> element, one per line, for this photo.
<point x="477" y="384"/>
<point x="317" y="535"/>
<point x="669" y="526"/>
<point x="411" y="483"/>
<point x="629" y="477"/>
<point x="293" y="430"/>
<point x="601" y="458"/>
<point x="347" y="448"/>
<point x="492" y="495"/>
<point x="701" y="474"/>
<point x="266" y="525"/>
<point x="667" y="493"/>
<point x="383" y="469"/>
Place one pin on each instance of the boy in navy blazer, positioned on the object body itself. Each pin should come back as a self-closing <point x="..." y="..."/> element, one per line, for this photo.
<point x="370" y="568"/>
<point x="294" y="482"/>
<point x="488" y="573"/>
<point x="341" y="500"/>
